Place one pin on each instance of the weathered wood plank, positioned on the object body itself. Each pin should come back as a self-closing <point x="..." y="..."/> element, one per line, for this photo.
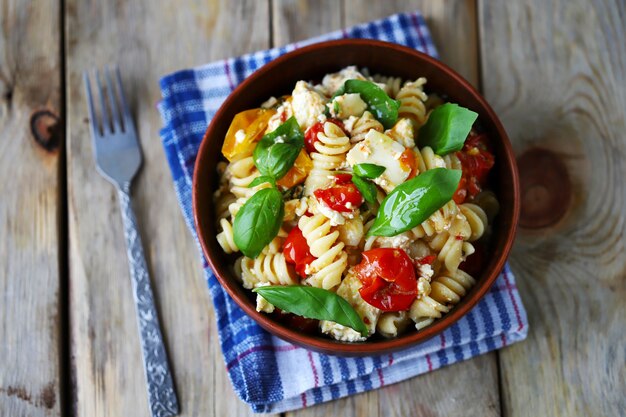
<point x="147" y="39"/>
<point x="452" y="24"/>
<point x="556" y="76"/>
<point x="296" y="20"/>
<point x="451" y="390"/>
<point x="30" y="210"/>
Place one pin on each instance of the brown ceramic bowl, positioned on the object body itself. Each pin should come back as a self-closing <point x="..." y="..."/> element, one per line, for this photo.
<point x="311" y="63"/>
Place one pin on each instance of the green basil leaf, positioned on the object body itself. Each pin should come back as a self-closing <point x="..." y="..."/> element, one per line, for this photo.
<point x="258" y="221"/>
<point x="313" y="303"/>
<point x="260" y="180"/>
<point x="413" y="201"/>
<point x="367" y="189"/>
<point x="447" y="128"/>
<point x="276" y="152"/>
<point x="383" y="107"/>
<point x="370" y="171"/>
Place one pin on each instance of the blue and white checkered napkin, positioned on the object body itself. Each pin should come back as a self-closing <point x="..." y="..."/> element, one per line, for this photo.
<point x="268" y="373"/>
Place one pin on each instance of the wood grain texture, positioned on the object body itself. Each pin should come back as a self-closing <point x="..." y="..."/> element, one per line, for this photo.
<point x="452" y="390"/>
<point x="556" y="75"/>
<point x="452" y="24"/>
<point x="147" y="39"/>
<point x="30" y="256"/>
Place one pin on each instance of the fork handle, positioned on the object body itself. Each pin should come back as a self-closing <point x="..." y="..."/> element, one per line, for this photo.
<point x="161" y="394"/>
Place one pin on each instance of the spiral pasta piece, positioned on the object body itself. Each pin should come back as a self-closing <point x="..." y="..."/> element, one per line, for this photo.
<point x="391" y="85"/>
<point x="391" y="324"/>
<point x="451" y="245"/>
<point x="267" y="268"/>
<point x="351" y="232"/>
<point x="226" y="237"/>
<point x="476" y="218"/>
<point x="240" y="173"/>
<point x="446" y="291"/>
<point x="331" y="148"/>
<point x="326" y="271"/>
<point x="223" y="199"/>
<point x="427" y="159"/>
<point x="363" y="125"/>
<point x="438" y="222"/>
<point x="412" y="99"/>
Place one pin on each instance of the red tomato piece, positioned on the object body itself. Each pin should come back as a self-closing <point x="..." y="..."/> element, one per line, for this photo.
<point x="476" y="161"/>
<point x="341" y="179"/>
<point x="341" y="197"/>
<point x="426" y="260"/>
<point x="297" y="251"/>
<point x="388" y="279"/>
<point x="310" y="136"/>
<point x="461" y="192"/>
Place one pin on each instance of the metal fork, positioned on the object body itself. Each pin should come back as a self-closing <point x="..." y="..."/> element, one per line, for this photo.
<point x="118" y="158"/>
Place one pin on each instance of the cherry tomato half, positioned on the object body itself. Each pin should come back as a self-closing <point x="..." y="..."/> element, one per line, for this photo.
<point x="297" y="251"/>
<point x="252" y="123"/>
<point x="310" y="136"/>
<point x="342" y="197"/>
<point x="388" y="279"/>
<point x="477" y="161"/>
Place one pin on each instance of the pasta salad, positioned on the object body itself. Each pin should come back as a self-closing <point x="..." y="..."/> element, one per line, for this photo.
<point x="357" y="206"/>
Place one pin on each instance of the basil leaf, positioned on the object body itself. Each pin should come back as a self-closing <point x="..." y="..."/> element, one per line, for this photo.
<point x="276" y="152"/>
<point x="258" y="221"/>
<point x="413" y="201"/>
<point x="262" y="179"/>
<point x="370" y="171"/>
<point x="447" y="128"/>
<point x="383" y="107"/>
<point x="367" y="189"/>
<point x="313" y="303"/>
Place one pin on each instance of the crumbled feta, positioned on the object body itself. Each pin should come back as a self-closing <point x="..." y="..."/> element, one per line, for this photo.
<point x="307" y="104"/>
<point x="339" y="332"/>
<point x="347" y="105"/>
<point x="400" y="241"/>
<point x="240" y="135"/>
<point x="332" y="82"/>
<point x="403" y="132"/>
<point x="279" y="139"/>
<point x="262" y="305"/>
<point x="348" y="124"/>
<point x="378" y="148"/>
<point x="349" y="290"/>
<point x="425" y="271"/>
<point x="335" y="217"/>
<point x="423" y="287"/>
<point x="284" y="111"/>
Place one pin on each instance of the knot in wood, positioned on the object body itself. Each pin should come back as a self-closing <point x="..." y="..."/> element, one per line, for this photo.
<point x="46" y="129"/>
<point x="545" y="188"/>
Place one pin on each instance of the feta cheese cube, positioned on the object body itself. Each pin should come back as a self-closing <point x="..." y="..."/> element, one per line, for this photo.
<point x="307" y="104"/>
<point x="347" y="105"/>
<point x="378" y="148"/>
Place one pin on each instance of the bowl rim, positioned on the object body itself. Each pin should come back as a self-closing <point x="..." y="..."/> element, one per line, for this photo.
<point x="317" y="343"/>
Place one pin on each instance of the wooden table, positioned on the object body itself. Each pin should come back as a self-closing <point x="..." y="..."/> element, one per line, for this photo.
<point x="554" y="71"/>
